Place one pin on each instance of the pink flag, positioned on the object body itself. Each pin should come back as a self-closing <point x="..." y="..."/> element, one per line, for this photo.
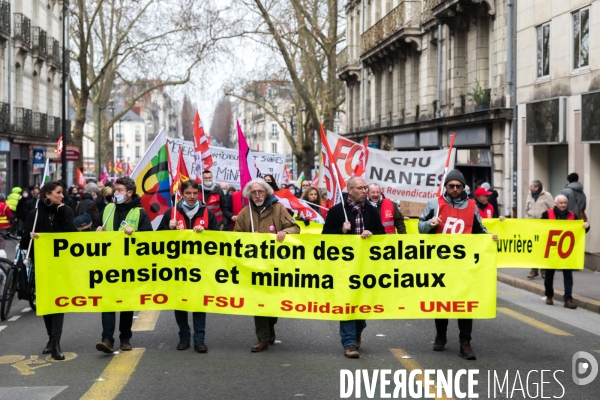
<point x="244" y="156"/>
<point x="104" y="176"/>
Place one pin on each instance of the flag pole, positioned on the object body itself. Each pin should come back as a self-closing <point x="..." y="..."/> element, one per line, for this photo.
<point x="37" y="203"/>
<point x="440" y="188"/>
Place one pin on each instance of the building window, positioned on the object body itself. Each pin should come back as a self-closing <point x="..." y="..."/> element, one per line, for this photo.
<point x="274" y="130"/>
<point x="543" y="50"/>
<point x="120" y="152"/>
<point x="274" y="109"/>
<point x="137" y="152"/>
<point x="138" y="136"/>
<point x="336" y="129"/>
<point x="337" y="116"/>
<point x="581" y="38"/>
<point x="273" y="147"/>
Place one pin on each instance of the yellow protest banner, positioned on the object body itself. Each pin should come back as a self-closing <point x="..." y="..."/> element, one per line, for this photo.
<point x="328" y="277"/>
<point x="538" y="243"/>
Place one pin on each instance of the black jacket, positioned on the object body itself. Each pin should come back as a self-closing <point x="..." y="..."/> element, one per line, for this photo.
<point x="493" y="200"/>
<point x="92" y="209"/>
<point x="22" y="208"/>
<point x="189" y="223"/>
<point x="50" y="220"/>
<point x="121" y="211"/>
<point x="335" y="219"/>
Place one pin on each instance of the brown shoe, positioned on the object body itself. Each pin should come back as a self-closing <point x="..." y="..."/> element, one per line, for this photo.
<point x="358" y="341"/>
<point x="466" y="351"/>
<point x="351" y="352"/>
<point x="260" y="346"/>
<point x="570" y="304"/>
<point x="549" y="301"/>
<point x="272" y="335"/>
<point x="543" y="274"/>
<point x="532" y="274"/>
<point x="125" y="345"/>
<point x="440" y="342"/>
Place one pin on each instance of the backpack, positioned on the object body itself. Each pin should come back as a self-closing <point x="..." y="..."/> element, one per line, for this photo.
<point x="83" y="221"/>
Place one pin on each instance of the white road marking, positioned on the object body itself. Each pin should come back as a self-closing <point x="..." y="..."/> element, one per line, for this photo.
<point x="31" y="393"/>
<point x="16" y="317"/>
<point x="26" y="309"/>
<point x="2" y="327"/>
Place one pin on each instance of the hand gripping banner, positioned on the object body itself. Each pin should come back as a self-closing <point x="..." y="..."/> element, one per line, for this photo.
<point x="327" y="277"/>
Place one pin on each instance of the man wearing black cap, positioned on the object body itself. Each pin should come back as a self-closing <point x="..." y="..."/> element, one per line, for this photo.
<point x="454" y="205"/>
<point x="575" y="196"/>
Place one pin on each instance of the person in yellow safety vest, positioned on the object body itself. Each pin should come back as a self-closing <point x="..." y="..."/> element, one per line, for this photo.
<point x="391" y="217"/>
<point x="126" y="215"/>
<point x="215" y="200"/>
<point x="13" y="198"/>
<point x="5" y="218"/>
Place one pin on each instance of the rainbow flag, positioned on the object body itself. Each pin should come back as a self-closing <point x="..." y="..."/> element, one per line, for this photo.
<point x="153" y="180"/>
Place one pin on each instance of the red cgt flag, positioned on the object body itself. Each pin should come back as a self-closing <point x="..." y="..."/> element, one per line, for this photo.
<point x="203" y="157"/>
<point x="81" y="182"/>
<point x="182" y="173"/>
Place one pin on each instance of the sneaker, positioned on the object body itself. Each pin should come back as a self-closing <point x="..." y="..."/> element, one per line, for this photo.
<point x="549" y="301"/>
<point x="125" y="345"/>
<point x="466" y="351"/>
<point x="570" y="304"/>
<point x="358" y="341"/>
<point x="105" y="346"/>
<point x="200" y="347"/>
<point x="440" y="342"/>
<point x="183" y="344"/>
<point x="351" y="352"/>
<point x="532" y="274"/>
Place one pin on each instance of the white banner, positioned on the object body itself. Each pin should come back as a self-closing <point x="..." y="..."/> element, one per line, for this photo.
<point x="226" y="167"/>
<point x="403" y="175"/>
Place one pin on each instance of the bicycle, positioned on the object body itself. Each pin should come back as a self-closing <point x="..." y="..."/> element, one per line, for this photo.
<point x="20" y="280"/>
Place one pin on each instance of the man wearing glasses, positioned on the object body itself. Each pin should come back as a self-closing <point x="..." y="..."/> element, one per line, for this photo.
<point x="304" y="186"/>
<point x="362" y="219"/>
<point x="264" y="214"/>
<point x="457" y="215"/>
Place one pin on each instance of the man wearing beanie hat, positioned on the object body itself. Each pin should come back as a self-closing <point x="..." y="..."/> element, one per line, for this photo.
<point x="456" y="204"/>
<point x="575" y="196"/>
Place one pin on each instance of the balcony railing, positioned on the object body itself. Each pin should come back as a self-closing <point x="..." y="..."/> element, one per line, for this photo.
<point x="39" y="40"/>
<point x="5" y="17"/>
<point x="427" y="7"/>
<point x="23" y="29"/>
<point x="403" y="16"/>
<point x="24" y="120"/>
<point x="348" y="56"/>
<point x="40" y="124"/>
<point x="4" y="117"/>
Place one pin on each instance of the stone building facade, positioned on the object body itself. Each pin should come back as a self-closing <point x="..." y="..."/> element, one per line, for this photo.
<point x="417" y="71"/>
<point x="558" y="92"/>
<point x="30" y="116"/>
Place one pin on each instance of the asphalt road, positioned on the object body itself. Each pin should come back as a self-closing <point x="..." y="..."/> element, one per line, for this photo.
<point x="307" y="360"/>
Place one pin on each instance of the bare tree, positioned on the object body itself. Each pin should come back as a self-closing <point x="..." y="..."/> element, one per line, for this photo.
<point x="222" y="122"/>
<point x="303" y="34"/>
<point x="154" y="42"/>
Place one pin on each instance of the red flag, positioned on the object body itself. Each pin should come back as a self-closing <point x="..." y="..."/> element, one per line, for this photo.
<point x="304" y="210"/>
<point x="129" y="169"/>
<point x="361" y="167"/>
<point x="182" y="173"/>
<point x="440" y="188"/>
<point x="334" y="183"/>
<point x="81" y="182"/>
<point x="315" y="180"/>
<point x="110" y="166"/>
<point x="203" y="156"/>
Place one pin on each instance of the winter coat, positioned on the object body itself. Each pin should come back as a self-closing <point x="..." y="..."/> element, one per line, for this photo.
<point x="121" y="211"/>
<point x="92" y="208"/>
<point x="270" y="214"/>
<point x="535" y="208"/>
<point x="189" y="223"/>
<point x="50" y="219"/>
<point x="460" y="203"/>
<point x="336" y="218"/>
<point x="23" y="208"/>
<point x="13" y="198"/>
<point x="574" y="190"/>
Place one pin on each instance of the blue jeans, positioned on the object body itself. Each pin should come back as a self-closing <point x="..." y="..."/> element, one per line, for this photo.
<point x="109" y="321"/>
<point x="349" y="330"/>
<point x="199" y="320"/>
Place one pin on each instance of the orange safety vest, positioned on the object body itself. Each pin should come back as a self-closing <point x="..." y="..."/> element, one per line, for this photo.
<point x="387" y="216"/>
<point x="4" y="223"/>
<point x="181" y="224"/>
<point x="552" y="215"/>
<point x="213" y="203"/>
<point x="456" y="220"/>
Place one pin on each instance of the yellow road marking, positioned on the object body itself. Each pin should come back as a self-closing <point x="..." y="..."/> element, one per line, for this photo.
<point x="146" y="321"/>
<point x="116" y="374"/>
<point x="533" y="322"/>
<point x="410" y="364"/>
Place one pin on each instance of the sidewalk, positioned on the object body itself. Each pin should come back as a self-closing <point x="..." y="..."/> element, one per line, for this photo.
<point x="586" y="285"/>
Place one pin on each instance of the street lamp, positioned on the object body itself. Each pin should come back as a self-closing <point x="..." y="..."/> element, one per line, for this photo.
<point x="99" y="144"/>
<point x="120" y="136"/>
